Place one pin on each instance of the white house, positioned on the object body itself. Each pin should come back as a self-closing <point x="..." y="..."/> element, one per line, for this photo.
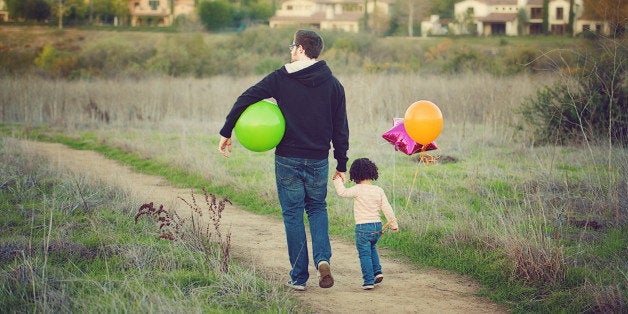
<point x="503" y="17"/>
<point x="588" y="24"/>
<point x="434" y="26"/>
<point x="4" y="13"/>
<point x="345" y="15"/>
<point x="161" y="12"/>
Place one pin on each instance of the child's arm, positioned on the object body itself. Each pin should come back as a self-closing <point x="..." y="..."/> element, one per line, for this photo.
<point x="341" y="190"/>
<point x="389" y="213"/>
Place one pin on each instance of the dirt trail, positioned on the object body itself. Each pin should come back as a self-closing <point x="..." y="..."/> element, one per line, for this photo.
<point x="260" y="240"/>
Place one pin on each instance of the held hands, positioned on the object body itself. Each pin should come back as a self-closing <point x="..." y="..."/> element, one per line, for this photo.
<point x="340" y="175"/>
<point x="224" y="146"/>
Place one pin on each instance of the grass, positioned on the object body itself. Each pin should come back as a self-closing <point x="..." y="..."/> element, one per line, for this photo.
<point x="71" y="246"/>
<point x="494" y="254"/>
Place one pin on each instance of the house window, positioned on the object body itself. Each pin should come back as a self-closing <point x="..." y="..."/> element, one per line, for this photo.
<point x="559" y="13"/>
<point x="352" y="7"/>
<point x="470" y="11"/>
<point x="153" y="4"/>
<point x="536" y="13"/>
<point x="289" y="8"/>
<point x="586" y="27"/>
<point x="598" y="28"/>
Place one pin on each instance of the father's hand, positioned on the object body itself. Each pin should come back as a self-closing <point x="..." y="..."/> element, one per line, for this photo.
<point x="341" y="175"/>
<point x="224" y="146"/>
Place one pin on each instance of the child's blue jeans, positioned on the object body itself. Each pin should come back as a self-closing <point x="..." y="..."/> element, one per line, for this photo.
<point x="366" y="237"/>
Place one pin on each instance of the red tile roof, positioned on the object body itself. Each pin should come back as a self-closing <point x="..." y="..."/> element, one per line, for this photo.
<point x="498" y="17"/>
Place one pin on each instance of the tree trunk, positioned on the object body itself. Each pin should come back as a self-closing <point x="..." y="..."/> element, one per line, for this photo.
<point x="60" y="14"/>
<point x="411" y="18"/>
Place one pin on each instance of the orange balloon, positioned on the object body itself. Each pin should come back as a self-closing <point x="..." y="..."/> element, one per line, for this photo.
<point x="423" y="122"/>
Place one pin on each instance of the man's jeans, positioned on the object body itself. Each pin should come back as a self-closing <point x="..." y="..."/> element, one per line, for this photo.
<point x="302" y="186"/>
<point x="366" y="237"/>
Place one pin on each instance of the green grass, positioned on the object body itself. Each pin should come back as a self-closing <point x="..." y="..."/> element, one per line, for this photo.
<point x="60" y="252"/>
<point x="479" y="256"/>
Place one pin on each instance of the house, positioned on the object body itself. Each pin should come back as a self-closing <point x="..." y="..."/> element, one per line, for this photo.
<point x="434" y="26"/>
<point x="347" y="15"/>
<point x="587" y="24"/>
<point x="516" y="17"/>
<point x="4" y="13"/>
<point x="158" y="12"/>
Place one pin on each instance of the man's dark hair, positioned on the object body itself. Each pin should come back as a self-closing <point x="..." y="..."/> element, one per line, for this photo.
<point x="362" y="169"/>
<point x="311" y="42"/>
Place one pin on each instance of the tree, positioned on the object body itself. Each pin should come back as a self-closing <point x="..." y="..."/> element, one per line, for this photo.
<point x="411" y="11"/>
<point x="522" y="17"/>
<point x="261" y="11"/>
<point x="37" y="10"/>
<point x="572" y="15"/>
<point x="16" y="8"/>
<point x="545" y="24"/>
<point x="74" y="9"/>
<point x="379" y="22"/>
<point x="443" y="8"/>
<point x="215" y="14"/>
<point x="615" y="12"/>
<point x="106" y="11"/>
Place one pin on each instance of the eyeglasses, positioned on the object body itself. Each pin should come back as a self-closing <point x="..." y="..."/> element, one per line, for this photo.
<point x="291" y="46"/>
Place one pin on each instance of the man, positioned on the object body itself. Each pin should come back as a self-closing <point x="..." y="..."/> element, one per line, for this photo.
<point x="313" y="103"/>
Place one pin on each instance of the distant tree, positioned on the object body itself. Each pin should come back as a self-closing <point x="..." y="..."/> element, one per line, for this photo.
<point x="38" y="10"/>
<point x="545" y="23"/>
<point x="572" y="16"/>
<point x="444" y="8"/>
<point x="106" y="11"/>
<point x="16" y="8"/>
<point x="466" y="23"/>
<point x="261" y="11"/>
<point x="522" y="17"/>
<point x="75" y="10"/>
<point x="215" y="14"/>
<point x="411" y="12"/>
<point x="613" y="11"/>
<point x="379" y="22"/>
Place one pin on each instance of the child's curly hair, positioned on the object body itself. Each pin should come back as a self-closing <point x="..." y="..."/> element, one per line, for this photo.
<point x="363" y="169"/>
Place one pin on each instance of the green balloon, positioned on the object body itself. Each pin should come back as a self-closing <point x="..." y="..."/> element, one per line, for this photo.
<point x="261" y="126"/>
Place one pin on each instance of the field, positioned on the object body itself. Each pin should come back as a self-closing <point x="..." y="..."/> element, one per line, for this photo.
<point x="541" y="228"/>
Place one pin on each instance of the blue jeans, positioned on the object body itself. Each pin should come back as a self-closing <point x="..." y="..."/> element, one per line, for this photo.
<point x="366" y="237"/>
<point x="302" y="186"/>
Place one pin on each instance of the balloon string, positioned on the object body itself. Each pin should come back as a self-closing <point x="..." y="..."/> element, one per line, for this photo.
<point x="418" y="164"/>
<point x="425" y="158"/>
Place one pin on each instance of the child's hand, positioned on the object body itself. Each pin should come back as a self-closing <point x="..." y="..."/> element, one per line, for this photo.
<point x="340" y="175"/>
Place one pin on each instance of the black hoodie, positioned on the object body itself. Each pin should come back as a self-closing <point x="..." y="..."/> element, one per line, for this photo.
<point x="313" y="104"/>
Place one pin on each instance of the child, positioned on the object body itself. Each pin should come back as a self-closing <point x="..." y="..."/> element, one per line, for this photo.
<point x="369" y="201"/>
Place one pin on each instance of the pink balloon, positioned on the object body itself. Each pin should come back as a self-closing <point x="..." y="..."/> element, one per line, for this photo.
<point x="402" y="141"/>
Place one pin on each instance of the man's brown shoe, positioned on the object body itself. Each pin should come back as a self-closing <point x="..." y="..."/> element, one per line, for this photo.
<point x="325" y="280"/>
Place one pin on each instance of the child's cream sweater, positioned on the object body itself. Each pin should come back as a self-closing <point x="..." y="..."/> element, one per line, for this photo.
<point x="369" y="200"/>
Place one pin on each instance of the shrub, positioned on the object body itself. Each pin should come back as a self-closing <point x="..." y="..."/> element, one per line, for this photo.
<point x="111" y="57"/>
<point x="268" y="65"/>
<point x="58" y="63"/>
<point x="588" y="104"/>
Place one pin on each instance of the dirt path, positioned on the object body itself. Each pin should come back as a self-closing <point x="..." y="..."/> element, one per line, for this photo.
<point x="260" y="241"/>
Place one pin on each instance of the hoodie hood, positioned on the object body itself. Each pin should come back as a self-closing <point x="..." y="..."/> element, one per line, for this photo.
<point x="309" y="73"/>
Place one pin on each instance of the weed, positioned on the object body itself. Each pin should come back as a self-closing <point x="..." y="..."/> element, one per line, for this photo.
<point x="194" y="231"/>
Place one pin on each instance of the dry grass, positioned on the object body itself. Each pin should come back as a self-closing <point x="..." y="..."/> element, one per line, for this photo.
<point x="530" y="202"/>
